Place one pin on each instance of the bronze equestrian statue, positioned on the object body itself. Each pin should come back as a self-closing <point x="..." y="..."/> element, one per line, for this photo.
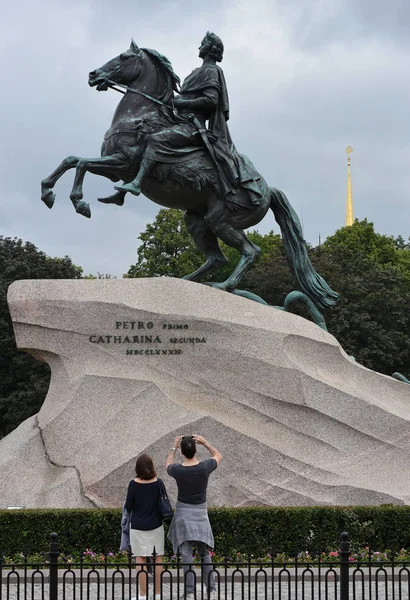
<point x="158" y="144"/>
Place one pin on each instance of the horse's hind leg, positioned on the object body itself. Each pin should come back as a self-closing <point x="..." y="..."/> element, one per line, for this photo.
<point x="236" y="238"/>
<point x="206" y="241"/>
<point x="47" y="196"/>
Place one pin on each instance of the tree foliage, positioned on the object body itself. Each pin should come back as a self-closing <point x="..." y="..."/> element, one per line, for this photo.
<point x="166" y="248"/>
<point x="371" y="272"/>
<point x="23" y="380"/>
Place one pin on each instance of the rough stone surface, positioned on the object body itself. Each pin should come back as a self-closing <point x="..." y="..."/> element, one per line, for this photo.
<point x="297" y="421"/>
<point x="29" y="479"/>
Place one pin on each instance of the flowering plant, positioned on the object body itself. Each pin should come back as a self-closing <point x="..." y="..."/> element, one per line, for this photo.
<point x="90" y="557"/>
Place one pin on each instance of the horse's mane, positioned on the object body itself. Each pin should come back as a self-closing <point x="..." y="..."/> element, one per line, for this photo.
<point x="172" y="78"/>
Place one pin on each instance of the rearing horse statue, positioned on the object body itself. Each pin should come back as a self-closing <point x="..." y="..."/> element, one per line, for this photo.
<point x="192" y="183"/>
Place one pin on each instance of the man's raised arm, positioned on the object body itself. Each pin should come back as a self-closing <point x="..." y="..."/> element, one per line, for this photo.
<point x="212" y="451"/>
<point x="171" y="455"/>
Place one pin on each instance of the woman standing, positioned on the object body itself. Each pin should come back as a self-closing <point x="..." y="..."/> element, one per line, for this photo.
<point x="147" y="531"/>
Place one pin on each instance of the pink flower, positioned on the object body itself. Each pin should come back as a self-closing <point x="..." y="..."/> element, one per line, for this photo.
<point x="351" y="558"/>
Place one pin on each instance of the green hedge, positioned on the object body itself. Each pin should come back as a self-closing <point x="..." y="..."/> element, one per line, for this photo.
<point x="246" y="530"/>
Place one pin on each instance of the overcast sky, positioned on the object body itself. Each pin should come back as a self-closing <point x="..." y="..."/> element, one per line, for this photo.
<point x="305" y="79"/>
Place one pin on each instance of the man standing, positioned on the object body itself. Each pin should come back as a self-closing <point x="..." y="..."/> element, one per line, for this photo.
<point x="190" y="526"/>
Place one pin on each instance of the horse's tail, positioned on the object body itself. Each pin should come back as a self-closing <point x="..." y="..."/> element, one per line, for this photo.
<point x="309" y="282"/>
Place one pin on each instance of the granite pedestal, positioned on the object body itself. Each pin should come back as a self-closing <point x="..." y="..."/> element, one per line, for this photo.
<point x="137" y="361"/>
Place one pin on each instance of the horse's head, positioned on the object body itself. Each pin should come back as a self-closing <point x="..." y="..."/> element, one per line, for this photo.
<point x="125" y="68"/>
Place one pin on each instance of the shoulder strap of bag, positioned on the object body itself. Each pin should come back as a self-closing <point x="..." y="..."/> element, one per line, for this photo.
<point x="162" y="489"/>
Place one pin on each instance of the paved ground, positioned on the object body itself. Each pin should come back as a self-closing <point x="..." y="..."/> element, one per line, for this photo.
<point x="240" y="592"/>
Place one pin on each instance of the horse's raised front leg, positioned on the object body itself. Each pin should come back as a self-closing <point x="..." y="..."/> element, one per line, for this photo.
<point x="47" y="196"/>
<point x="98" y="166"/>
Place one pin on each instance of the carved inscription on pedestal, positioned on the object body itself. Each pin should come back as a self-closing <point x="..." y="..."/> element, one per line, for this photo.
<point x="147" y="338"/>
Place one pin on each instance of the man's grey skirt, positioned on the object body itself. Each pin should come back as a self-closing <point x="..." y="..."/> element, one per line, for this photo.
<point x="190" y="522"/>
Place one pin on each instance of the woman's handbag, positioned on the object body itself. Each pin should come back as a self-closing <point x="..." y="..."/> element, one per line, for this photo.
<point x="164" y="505"/>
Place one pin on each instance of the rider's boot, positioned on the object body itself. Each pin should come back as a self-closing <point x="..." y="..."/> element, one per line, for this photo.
<point x="135" y="186"/>
<point x="117" y="198"/>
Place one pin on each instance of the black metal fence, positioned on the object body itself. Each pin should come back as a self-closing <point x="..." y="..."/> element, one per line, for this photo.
<point x="343" y="579"/>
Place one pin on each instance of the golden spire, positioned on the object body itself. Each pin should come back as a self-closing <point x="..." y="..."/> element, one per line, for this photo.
<point x="349" y="201"/>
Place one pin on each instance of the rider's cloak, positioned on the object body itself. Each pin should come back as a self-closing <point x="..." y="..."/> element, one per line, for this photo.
<point x="237" y="168"/>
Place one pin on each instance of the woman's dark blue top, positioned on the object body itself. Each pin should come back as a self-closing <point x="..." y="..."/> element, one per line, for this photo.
<point x="142" y="501"/>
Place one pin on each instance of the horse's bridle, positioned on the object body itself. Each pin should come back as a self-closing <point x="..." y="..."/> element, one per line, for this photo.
<point x="112" y="85"/>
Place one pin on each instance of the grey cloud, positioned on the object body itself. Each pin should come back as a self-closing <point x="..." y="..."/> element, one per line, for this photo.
<point x="347" y="21"/>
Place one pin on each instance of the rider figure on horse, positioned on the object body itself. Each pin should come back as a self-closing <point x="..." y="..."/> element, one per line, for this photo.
<point x="203" y="98"/>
